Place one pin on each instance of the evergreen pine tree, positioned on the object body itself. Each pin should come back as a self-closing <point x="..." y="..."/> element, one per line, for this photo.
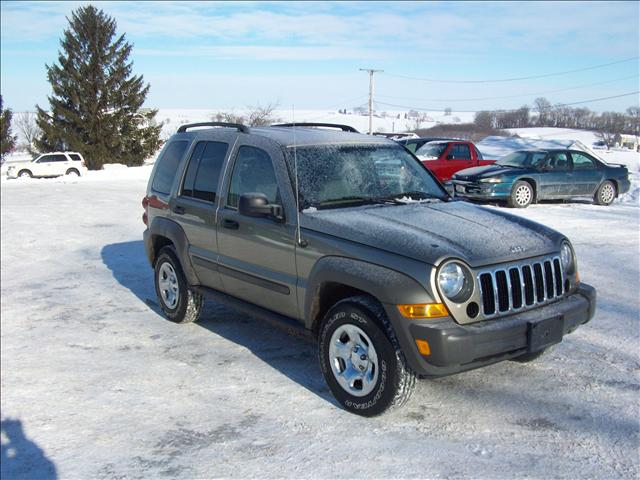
<point x="7" y="141"/>
<point x="96" y="104"/>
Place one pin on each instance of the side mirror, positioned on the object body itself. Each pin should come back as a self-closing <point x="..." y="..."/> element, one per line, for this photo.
<point x="255" y="204"/>
<point x="450" y="156"/>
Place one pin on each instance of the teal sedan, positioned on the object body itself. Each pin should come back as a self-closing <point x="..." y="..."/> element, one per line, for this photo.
<point x="527" y="176"/>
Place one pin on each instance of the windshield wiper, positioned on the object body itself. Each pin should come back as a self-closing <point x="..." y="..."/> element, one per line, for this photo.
<point x="416" y="193"/>
<point x="361" y="199"/>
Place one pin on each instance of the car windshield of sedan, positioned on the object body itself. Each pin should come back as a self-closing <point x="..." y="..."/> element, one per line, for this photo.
<point x="523" y="160"/>
<point x="331" y="176"/>
<point x="431" y="150"/>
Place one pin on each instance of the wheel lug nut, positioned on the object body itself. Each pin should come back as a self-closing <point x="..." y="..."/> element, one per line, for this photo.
<point x="363" y="357"/>
<point x="361" y="367"/>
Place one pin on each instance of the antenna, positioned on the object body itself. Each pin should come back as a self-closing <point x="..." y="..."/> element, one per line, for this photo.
<point x="295" y="169"/>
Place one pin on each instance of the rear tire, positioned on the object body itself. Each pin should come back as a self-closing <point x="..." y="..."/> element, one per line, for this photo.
<point x="606" y="194"/>
<point x="25" y="174"/>
<point x="72" y="171"/>
<point x="361" y="359"/>
<point x="179" y="302"/>
<point x="521" y="195"/>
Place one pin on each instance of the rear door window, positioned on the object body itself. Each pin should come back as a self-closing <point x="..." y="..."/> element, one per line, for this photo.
<point x="75" y="156"/>
<point x="460" y="151"/>
<point x="203" y="172"/>
<point x="168" y="166"/>
<point x="582" y="162"/>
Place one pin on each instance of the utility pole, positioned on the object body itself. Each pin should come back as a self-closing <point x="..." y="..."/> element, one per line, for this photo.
<point x="371" y="72"/>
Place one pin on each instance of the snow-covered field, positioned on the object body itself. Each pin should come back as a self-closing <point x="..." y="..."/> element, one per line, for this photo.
<point x="97" y="384"/>
<point x="390" y="121"/>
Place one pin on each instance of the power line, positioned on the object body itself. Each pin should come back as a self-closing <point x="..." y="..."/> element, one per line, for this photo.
<point x="510" y="110"/>
<point x="508" y="96"/>
<point x="515" y="78"/>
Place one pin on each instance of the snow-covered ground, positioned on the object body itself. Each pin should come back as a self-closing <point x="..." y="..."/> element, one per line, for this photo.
<point x="97" y="384"/>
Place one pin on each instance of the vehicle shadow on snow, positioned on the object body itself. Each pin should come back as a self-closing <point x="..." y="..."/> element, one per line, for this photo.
<point x="20" y="457"/>
<point x="129" y="265"/>
<point x="294" y="357"/>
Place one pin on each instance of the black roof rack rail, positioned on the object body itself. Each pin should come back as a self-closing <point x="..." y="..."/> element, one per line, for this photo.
<point x="344" y="128"/>
<point x="239" y="126"/>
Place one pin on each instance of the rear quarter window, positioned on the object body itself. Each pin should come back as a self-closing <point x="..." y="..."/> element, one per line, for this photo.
<point x="168" y="166"/>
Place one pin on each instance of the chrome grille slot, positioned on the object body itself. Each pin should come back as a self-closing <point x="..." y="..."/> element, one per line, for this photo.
<point x="516" y="287"/>
<point x="503" y="291"/>
<point x="548" y="279"/>
<point x="539" y="279"/>
<point x="558" y="272"/>
<point x="520" y="286"/>
<point x="528" y="285"/>
<point x="486" y="289"/>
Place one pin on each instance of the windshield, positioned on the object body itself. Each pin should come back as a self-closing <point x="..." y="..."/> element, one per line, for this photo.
<point x="431" y="150"/>
<point x="522" y="159"/>
<point x="337" y="175"/>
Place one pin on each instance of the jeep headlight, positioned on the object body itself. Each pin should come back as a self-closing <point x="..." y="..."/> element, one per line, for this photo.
<point x="490" y="180"/>
<point x="455" y="282"/>
<point x="567" y="258"/>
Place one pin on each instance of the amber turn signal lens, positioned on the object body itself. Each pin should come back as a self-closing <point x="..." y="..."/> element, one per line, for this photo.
<point x="423" y="347"/>
<point x="423" y="310"/>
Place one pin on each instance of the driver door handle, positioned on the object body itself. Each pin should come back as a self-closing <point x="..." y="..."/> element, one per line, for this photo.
<point x="178" y="210"/>
<point x="230" y="224"/>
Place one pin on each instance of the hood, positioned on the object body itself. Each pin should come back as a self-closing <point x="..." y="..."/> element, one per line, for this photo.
<point x="488" y="171"/>
<point x="432" y="232"/>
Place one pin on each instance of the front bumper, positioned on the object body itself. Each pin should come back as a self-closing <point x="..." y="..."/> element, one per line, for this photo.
<point x="481" y="190"/>
<point x="457" y="348"/>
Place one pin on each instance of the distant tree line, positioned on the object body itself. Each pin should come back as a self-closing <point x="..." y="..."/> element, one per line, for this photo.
<point x="609" y="125"/>
<point x="258" y="116"/>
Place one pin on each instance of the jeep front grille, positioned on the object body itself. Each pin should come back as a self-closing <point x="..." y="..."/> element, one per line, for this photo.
<point x="519" y="287"/>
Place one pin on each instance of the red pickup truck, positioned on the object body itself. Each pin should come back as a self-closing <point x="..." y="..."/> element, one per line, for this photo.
<point x="446" y="157"/>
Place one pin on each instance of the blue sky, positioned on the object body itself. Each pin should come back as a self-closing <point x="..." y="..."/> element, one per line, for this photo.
<point x="308" y="54"/>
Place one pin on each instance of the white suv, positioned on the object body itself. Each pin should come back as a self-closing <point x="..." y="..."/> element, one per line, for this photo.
<point x="49" y="165"/>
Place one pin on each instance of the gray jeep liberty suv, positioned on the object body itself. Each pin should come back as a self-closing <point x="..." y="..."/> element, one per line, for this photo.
<point x="348" y="239"/>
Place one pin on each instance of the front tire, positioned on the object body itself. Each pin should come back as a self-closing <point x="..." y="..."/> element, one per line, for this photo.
<point x="25" y="174"/>
<point x="521" y="195"/>
<point x="179" y="302"/>
<point x="361" y="359"/>
<point x="606" y="194"/>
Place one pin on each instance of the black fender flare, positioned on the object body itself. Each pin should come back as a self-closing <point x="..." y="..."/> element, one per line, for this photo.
<point x="388" y="286"/>
<point x="164" y="227"/>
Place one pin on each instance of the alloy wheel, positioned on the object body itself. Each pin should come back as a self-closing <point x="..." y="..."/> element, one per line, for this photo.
<point x="354" y="360"/>
<point x="168" y="285"/>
